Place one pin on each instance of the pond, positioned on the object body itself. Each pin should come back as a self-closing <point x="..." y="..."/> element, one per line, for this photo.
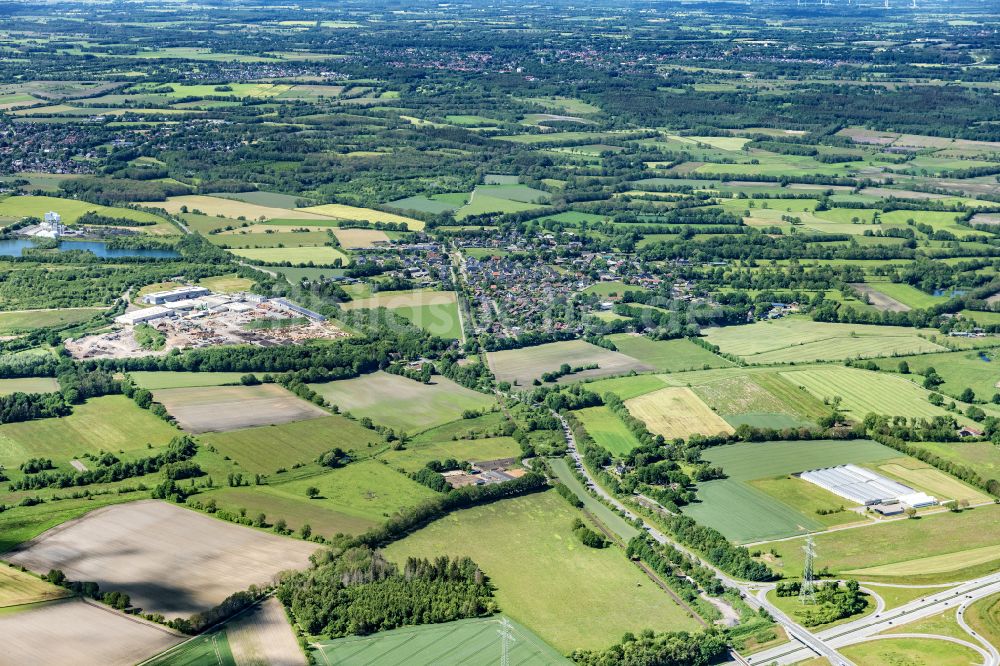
<point x="16" y="247"/>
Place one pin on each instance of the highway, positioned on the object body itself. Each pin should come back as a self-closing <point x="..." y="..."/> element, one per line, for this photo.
<point x="938" y="600"/>
<point x="802" y="639"/>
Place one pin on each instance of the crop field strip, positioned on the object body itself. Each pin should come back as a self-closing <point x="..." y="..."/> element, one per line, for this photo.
<point x="676" y="412"/>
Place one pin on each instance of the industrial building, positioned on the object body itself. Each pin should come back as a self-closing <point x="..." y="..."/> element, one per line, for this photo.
<point x="297" y="309"/>
<point x="864" y="486"/>
<point x="143" y="316"/>
<point x="171" y="295"/>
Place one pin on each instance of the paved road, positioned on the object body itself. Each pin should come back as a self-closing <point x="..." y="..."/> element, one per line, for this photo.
<point x="937" y="601"/>
<point x="802" y="638"/>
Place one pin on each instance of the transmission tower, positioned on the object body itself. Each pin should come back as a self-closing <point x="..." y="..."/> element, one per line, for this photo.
<point x="807" y="593"/>
<point x="506" y="632"/>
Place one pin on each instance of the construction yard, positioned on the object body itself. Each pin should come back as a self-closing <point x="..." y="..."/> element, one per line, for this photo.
<point x="208" y="320"/>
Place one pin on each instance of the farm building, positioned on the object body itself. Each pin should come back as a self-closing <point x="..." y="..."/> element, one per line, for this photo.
<point x="171" y="295"/>
<point x="142" y="316"/>
<point x="863" y="486"/>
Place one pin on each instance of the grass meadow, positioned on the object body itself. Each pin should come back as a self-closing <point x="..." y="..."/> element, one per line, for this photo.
<point x="569" y="594"/>
<point x="28" y="385"/>
<point x="607" y="429"/>
<point x="984" y="617"/>
<point x="265" y="449"/>
<point x="667" y="355"/>
<point x="17" y="207"/>
<point x="802" y="340"/>
<point x="352" y="499"/>
<point x="22" y="321"/>
<point x="87" y="430"/>
<point x="977" y="370"/>
<point x="910" y="651"/>
<point x="417" y="454"/>
<point x="864" y="391"/>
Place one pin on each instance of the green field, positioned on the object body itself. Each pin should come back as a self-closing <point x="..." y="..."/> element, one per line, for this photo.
<point x="607" y="429"/>
<point x="415" y="406"/>
<point x="480" y="204"/>
<point x="984" y="617"/>
<point x="667" y="355"/>
<point x="908" y="295"/>
<point x="352" y="499"/>
<point x="758" y="501"/>
<point x="628" y="387"/>
<point x="801" y="340"/>
<point x="910" y="651"/>
<point x="545" y="578"/>
<point x="864" y="391"/>
<point x="981" y="456"/>
<point x="459" y="643"/>
<point x="959" y="370"/>
<point x="439" y="319"/>
<point x="210" y="649"/>
<point x="17" y="207"/>
<point x="22" y="321"/>
<point x="901" y="541"/>
<point x="28" y="385"/>
<point x="87" y="430"/>
<point x="265" y="449"/>
<point x="597" y="509"/>
<point x="740" y="399"/>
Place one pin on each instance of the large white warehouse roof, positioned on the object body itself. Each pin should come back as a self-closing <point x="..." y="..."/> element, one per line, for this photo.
<point x="863" y="486"/>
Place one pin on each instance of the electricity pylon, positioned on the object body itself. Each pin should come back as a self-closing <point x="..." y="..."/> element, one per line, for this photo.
<point x="807" y="593"/>
<point x="506" y="632"/>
